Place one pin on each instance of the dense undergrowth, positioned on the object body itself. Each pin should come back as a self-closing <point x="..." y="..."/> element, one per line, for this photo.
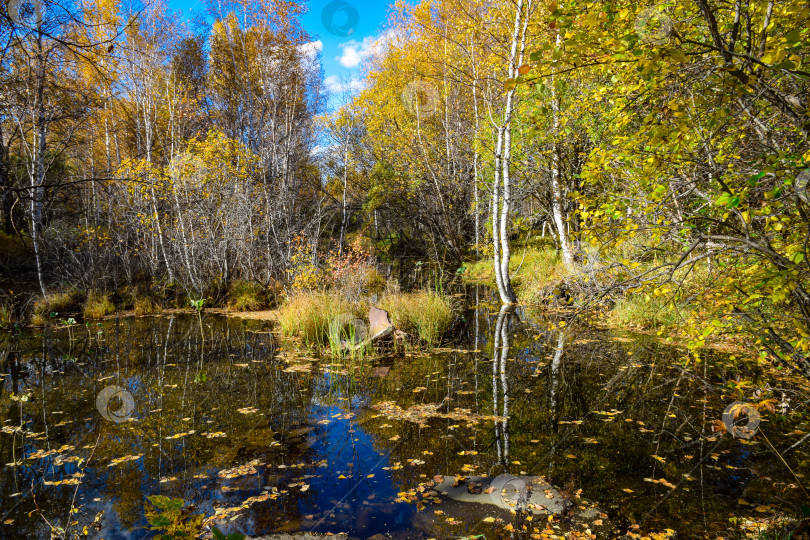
<point x="318" y="304"/>
<point x="599" y="286"/>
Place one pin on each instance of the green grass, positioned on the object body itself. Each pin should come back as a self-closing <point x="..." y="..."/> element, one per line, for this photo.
<point x="318" y="317"/>
<point x="542" y="269"/>
<point x="343" y="330"/>
<point x="425" y="314"/>
<point x="635" y="310"/>
<point x="532" y="269"/>
<point x="307" y="314"/>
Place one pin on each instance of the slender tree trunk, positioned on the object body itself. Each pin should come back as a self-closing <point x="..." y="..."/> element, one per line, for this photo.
<point x="503" y="157"/>
<point x="496" y="222"/>
<point x="148" y="127"/>
<point x="345" y="218"/>
<point x="5" y="183"/>
<point x="556" y="190"/>
<point x="475" y="153"/>
<point x="38" y="165"/>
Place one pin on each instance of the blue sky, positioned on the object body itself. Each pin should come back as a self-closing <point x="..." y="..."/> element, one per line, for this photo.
<point x="346" y="30"/>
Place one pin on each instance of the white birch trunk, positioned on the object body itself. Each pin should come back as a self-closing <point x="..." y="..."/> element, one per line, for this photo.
<point x="503" y="156"/>
<point x="556" y="189"/>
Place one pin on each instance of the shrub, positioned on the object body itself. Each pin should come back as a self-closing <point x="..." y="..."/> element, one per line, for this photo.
<point x="97" y="306"/>
<point x="244" y="296"/>
<point x="303" y="272"/>
<point x="352" y="274"/>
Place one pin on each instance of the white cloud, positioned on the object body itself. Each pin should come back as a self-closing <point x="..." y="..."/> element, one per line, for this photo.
<point x="311" y="49"/>
<point x="355" y="52"/>
<point x="336" y="85"/>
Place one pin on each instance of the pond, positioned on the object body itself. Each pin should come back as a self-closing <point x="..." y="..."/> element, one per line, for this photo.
<point x="226" y="415"/>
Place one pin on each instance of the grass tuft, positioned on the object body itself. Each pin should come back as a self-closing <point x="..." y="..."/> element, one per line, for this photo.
<point x="46" y="309"/>
<point x="144" y="305"/>
<point x="97" y="306"/>
<point x="307" y="314"/>
<point x="424" y="314"/>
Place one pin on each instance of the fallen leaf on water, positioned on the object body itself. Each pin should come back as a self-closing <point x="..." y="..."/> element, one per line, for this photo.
<point x="124" y="459"/>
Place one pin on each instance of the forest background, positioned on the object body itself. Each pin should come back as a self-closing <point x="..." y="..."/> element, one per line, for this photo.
<point x="647" y="162"/>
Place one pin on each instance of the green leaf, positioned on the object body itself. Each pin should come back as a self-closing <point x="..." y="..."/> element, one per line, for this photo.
<point x="793" y="36"/>
<point x="159" y="501"/>
<point x="175" y="504"/>
<point x="159" y="521"/>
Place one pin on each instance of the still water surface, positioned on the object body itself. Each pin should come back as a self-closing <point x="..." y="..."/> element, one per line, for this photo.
<point x="226" y="412"/>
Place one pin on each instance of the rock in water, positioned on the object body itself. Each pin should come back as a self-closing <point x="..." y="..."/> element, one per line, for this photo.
<point x="379" y="322"/>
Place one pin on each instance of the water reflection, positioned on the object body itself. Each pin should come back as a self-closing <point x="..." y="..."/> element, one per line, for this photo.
<point x="500" y="382"/>
<point x="226" y="413"/>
